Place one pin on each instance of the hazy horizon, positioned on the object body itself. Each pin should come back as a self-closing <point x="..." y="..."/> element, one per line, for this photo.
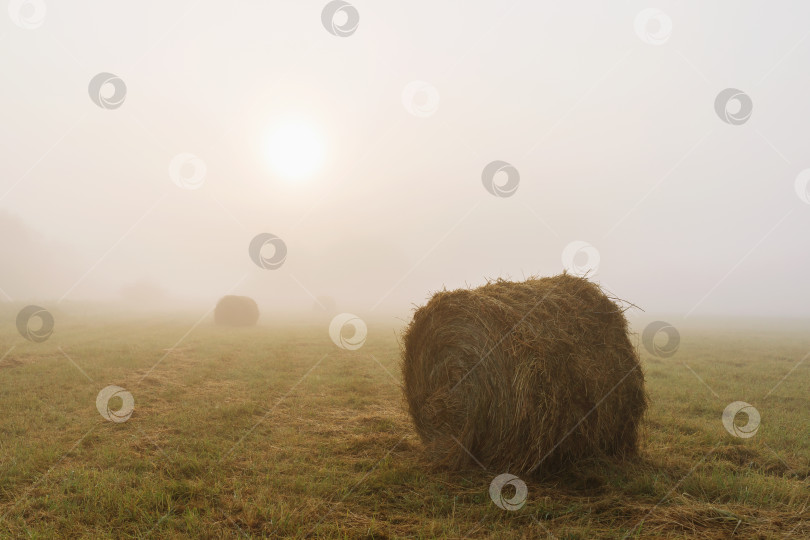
<point x="365" y="154"/>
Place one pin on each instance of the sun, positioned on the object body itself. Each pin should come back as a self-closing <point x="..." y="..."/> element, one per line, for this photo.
<point x="294" y="149"/>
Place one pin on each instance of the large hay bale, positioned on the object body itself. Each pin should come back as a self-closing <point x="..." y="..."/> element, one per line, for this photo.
<point x="236" y="311"/>
<point x="524" y="376"/>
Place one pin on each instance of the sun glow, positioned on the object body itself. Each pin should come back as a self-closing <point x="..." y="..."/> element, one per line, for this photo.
<point x="294" y="150"/>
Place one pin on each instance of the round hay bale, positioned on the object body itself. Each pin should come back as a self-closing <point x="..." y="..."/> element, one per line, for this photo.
<point x="526" y="377"/>
<point x="236" y="311"/>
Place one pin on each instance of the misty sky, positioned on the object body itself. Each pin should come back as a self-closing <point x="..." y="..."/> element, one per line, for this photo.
<point x="616" y="140"/>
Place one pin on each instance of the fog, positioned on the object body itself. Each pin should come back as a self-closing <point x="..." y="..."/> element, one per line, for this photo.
<point x="616" y="139"/>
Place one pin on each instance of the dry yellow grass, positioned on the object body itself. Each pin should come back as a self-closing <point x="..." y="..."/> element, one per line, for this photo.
<point x="274" y="432"/>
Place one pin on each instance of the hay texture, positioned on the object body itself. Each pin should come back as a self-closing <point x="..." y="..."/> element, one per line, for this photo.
<point x="527" y="377"/>
<point x="236" y="311"/>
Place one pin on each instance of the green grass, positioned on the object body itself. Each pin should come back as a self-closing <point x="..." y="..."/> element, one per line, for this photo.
<point x="275" y="432"/>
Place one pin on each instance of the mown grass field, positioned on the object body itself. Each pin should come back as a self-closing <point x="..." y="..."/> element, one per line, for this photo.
<point x="274" y="431"/>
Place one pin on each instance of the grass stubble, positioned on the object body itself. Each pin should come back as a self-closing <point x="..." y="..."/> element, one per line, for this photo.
<point x="272" y="431"/>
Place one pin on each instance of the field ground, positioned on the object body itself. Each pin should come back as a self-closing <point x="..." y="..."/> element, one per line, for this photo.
<point x="275" y="432"/>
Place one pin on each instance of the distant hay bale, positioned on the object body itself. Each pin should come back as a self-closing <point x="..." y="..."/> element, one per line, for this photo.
<point x="236" y="311"/>
<point x="526" y="377"/>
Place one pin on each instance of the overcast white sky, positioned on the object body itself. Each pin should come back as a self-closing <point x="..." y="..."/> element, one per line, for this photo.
<point x="616" y="141"/>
